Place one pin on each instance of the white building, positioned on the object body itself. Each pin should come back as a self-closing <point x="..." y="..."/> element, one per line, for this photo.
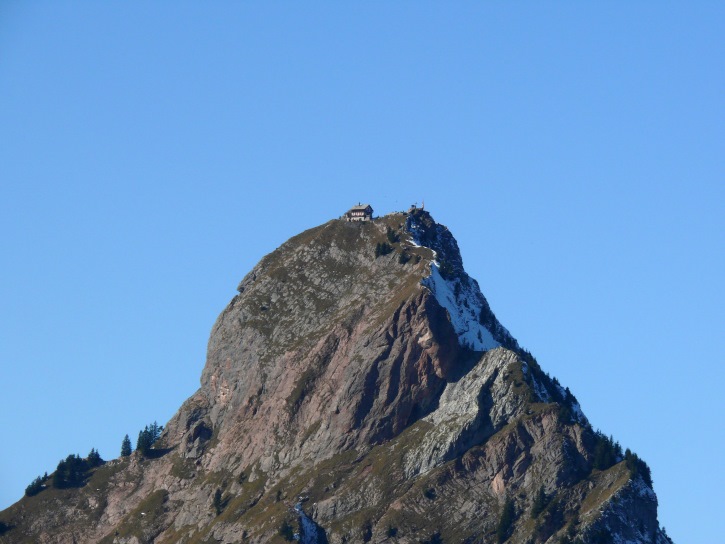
<point x="361" y="212"/>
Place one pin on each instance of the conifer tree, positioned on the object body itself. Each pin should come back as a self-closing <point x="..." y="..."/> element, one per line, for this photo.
<point x="71" y="471"/>
<point x="540" y="501"/>
<point x="435" y="538"/>
<point x="36" y="486"/>
<point x="155" y="429"/>
<point x="382" y="249"/>
<point x="286" y="531"/>
<point x="126" y="446"/>
<point x="507" y="519"/>
<point x="446" y="270"/>
<point x="143" y="442"/>
<point x="147" y="437"/>
<point x="218" y="504"/>
<point x="637" y="467"/>
<point x="94" y="458"/>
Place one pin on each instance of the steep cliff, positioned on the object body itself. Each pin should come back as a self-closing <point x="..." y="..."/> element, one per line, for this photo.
<point x="359" y="388"/>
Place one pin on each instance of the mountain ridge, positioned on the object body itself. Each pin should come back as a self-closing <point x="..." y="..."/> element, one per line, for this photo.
<point x="347" y="391"/>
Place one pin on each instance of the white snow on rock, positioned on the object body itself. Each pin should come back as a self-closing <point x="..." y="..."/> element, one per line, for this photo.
<point x="544" y="396"/>
<point x="643" y="490"/>
<point x="540" y="390"/>
<point x="416" y="233"/>
<point x="464" y="310"/>
<point x="575" y="408"/>
<point x="309" y="529"/>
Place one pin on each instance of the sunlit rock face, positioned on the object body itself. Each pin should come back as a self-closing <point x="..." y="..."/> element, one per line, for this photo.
<point x="358" y="388"/>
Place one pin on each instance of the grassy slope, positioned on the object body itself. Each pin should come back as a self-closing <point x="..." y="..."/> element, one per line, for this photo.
<point x="261" y="506"/>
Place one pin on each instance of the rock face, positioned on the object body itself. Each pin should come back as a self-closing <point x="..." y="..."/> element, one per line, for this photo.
<point x="360" y="389"/>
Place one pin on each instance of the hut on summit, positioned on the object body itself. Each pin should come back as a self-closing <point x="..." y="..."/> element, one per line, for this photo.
<point x="361" y="212"/>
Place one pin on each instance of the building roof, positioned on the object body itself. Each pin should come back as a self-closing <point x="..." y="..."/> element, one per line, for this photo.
<point x="361" y="207"/>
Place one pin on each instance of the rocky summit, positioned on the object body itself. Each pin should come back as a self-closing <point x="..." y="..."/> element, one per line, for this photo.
<point x="358" y="388"/>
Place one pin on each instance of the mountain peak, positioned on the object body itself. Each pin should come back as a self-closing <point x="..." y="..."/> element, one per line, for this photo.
<point x="471" y="316"/>
<point x="358" y="388"/>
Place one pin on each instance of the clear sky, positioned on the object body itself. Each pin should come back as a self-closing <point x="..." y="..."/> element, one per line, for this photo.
<point x="152" y="153"/>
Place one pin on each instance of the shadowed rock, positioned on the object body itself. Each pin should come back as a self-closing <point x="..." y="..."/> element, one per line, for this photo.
<point x="384" y="391"/>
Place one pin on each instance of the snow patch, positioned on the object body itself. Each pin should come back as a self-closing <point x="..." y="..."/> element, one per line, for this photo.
<point x="578" y="414"/>
<point x="619" y="539"/>
<point x="416" y="231"/>
<point x="309" y="528"/>
<point x="543" y="394"/>
<point x="459" y="295"/>
<point x="540" y="390"/>
<point x="575" y="408"/>
<point x="413" y="243"/>
<point x="464" y="307"/>
<point x="643" y="490"/>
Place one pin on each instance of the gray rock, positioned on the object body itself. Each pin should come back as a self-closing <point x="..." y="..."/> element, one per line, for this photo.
<point x="348" y="380"/>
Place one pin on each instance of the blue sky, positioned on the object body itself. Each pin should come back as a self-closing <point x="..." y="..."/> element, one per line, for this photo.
<point x="152" y="153"/>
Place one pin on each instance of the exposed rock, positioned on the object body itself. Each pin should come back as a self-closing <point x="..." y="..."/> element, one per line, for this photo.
<point x="354" y="398"/>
